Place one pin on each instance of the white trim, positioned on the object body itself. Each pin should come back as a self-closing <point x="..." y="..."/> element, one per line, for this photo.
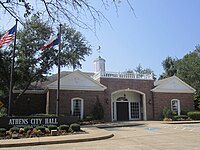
<point x="130" y="111"/>
<point x="170" y="91"/>
<point x="113" y="101"/>
<point x="82" y="107"/>
<point x="96" y="85"/>
<point x="178" y="102"/>
<point x="165" y="81"/>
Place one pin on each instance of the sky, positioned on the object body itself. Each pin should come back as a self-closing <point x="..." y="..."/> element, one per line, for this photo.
<point x="160" y="29"/>
<point x="157" y="30"/>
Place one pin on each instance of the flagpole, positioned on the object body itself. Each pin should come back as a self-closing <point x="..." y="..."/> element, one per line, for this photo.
<point x="11" y="73"/>
<point x="58" y="88"/>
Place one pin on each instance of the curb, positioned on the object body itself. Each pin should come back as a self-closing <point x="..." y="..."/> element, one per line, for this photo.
<point x="103" y="137"/>
<point x="181" y="122"/>
<point x="119" y="125"/>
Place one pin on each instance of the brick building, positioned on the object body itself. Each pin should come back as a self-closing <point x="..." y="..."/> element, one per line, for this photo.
<point x="124" y="96"/>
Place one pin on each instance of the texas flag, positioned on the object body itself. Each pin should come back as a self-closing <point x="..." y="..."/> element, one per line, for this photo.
<point x="52" y="42"/>
<point x="9" y="36"/>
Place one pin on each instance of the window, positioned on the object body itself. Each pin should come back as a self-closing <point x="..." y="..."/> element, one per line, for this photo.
<point x="175" y="106"/>
<point x="77" y="107"/>
<point x="135" y="110"/>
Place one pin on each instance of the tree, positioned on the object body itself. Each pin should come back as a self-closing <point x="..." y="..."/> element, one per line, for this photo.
<point x="169" y="66"/>
<point x="139" y="70"/>
<point x="188" y="69"/>
<point x="32" y="63"/>
<point x="69" y="11"/>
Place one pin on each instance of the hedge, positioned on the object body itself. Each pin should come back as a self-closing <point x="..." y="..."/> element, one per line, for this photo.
<point x="2" y="130"/>
<point x="180" y="117"/>
<point x="64" y="127"/>
<point x="74" y="127"/>
<point x="195" y="115"/>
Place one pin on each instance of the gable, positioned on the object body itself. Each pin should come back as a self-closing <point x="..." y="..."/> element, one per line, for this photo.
<point x="77" y="81"/>
<point x="172" y="85"/>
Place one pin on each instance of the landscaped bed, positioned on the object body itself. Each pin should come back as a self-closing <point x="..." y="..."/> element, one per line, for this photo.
<point x="40" y="131"/>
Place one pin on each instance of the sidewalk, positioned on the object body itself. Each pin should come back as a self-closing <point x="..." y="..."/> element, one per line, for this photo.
<point x="92" y="134"/>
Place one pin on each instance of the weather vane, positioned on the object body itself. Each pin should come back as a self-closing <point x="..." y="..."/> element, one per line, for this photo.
<point x="99" y="50"/>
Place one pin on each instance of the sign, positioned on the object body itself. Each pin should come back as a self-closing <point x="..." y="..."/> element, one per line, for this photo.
<point x="32" y="121"/>
<point x="9" y="122"/>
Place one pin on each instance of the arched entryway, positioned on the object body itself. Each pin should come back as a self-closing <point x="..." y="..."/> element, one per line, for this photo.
<point x="127" y="105"/>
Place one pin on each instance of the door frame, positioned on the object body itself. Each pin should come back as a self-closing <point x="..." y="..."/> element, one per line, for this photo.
<point x="143" y="114"/>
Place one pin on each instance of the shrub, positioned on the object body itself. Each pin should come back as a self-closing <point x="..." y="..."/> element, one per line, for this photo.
<point x="52" y="127"/>
<point x="75" y="127"/>
<point x="88" y="118"/>
<point x="41" y="128"/>
<point x="167" y="113"/>
<point x="14" y="129"/>
<point x="64" y="127"/>
<point x="195" y="115"/>
<point x="180" y="117"/>
<point x="3" y="112"/>
<point x="46" y="115"/>
<point x="26" y="128"/>
<point x="21" y="130"/>
<point x="2" y="130"/>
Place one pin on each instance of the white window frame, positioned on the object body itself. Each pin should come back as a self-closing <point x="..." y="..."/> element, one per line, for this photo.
<point x="72" y="106"/>
<point x="178" y="107"/>
<point x="130" y="118"/>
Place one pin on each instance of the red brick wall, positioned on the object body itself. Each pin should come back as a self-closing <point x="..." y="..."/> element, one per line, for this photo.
<point x="144" y="86"/>
<point x="162" y="100"/>
<point x="89" y="98"/>
<point x="29" y="104"/>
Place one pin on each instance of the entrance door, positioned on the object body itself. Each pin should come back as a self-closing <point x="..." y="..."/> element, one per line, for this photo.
<point x="122" y="111"/>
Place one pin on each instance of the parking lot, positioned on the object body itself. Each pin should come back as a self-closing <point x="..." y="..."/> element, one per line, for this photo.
<point x="151" y="136"/>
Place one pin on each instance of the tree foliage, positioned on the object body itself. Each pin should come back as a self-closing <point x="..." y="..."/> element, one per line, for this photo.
<point x="188" y="69"/>
<point x="142" y="71"/>
<point x="31" y="63"/>
<point x="68" y="11"/>
<point x="169" y="66"/>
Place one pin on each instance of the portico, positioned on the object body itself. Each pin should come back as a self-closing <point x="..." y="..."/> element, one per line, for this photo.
<point x="128" y="104"/>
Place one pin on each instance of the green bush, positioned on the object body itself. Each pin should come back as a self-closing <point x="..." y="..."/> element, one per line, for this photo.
<point x="41" y="128"/>
<point x="64" y="127"/>
<point x="45" y="115"/>
<point x="2" y="130"/>
<point x="88" y="118"/>
<point x="75" y="127"/>
<point x="14" y="129"/>
<point x="52" y="127"/>
<point x="167" y="113"/>
<point x="180" y="117"/>
<point x="195" y="115"/>
<point x="3" y="112"/>
<point x="26" y="128"/>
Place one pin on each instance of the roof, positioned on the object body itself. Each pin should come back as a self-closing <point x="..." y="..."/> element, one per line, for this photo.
<point x="172" y="85"/>
<point x="77" y="80"/>
<point x="53" y="78"/>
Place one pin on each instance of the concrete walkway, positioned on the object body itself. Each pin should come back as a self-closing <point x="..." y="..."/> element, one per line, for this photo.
<point x="93" y="133"/>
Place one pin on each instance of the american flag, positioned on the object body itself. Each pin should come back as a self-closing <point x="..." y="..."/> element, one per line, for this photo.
<point x="8" y="36"/>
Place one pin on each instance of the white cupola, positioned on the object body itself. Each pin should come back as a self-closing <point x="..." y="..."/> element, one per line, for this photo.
<point x="99" y="65"/>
